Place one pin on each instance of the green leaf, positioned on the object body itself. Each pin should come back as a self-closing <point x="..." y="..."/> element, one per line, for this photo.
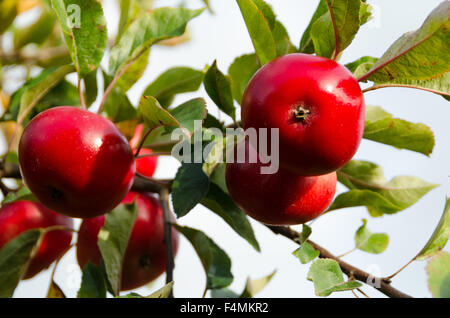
<point x="37" y="32"/>
<point x="369" y="242"/>
<point x="382" y="127"/>
<point x="14" y="259"/>
<point x="84" y="28"/>
<point x="365" y="13"/>
<point x="218" y="87"/>
<point x="92" y="284"/>
<point x="223" y="293"/>
<point x="54" y="291"/>
<point x="91" y="88"/>
<point x="215" y="261"/>
<point x="154" y="114"/>
<point x="134" y="72"/>
<point x="117" y="106"/>
<point x="220" y="203"/>
<point x="335" y="30"/>
<point x="439" y="237"/>
<point x="23" y="194"/>
<point x="240" y="72"/>
<point x="306" y="232"/>
<point x="418" y="59"/>
<point x="306" y="43"/>
<point x="328" y="278"/>
<point x="190" y="111"/>
<point x="306" y="253"/>
<point x="163" y="292"/>
<point x="267" y="11"/>
<point x="8" y="12"/>
<point x="361" y="66"/>
<point x="35" y="92"/>
<point x="282" y="41"/>
<point x="253" y="287"/>
<point x="113" y="240"/>
<point x="259" y="30"/>
<point x="369" y="188"/>
<point x="438" y="270"/>
<point x="174" y="81"/>
<point x="189" y="187"/>
<point x="161" y="24"/>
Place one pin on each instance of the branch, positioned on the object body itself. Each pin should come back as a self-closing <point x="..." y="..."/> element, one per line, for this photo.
<point x="164" y="199"/>
<point x="349" y="270"/>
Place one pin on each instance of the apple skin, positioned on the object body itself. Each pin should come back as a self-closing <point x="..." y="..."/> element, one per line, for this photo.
<point x="330" y="134"/>
<point x="20" y="216"/>
<point x="282" y="198"/>
<point x="145" y="256"/>
<point x="76" y="162"/>
<point x="145" y="166"/>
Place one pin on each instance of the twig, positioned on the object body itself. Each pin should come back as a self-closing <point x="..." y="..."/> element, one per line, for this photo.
<point x="154" y="154"/>
<point x="164" y="199"/>
<point x="347" y="253"/>
<point x="348" y="269"/>
<point x="80" y="92"/>
<point x="359" y="289"/>
<point x="141" y="144"/>
<point x="402" y="268"/>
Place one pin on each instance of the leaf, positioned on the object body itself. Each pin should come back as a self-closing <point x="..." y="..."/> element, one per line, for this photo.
<point x="267" y="11"/>
<point x="14" y="259"/>
<point x="439" y="237"/>
<point x="253" y="287"/>
<point x="37" y="32"/>
<point x="223" y="293"/>
<point x="306" y="253"/>
<point x="93" y="283"/>
<point x="335" y="29"/>
<point x="189" y="187"/>
<point x="259" y="30"/>
<point x="187" y="113"/>
<point x="282" y="41"/>
<point x="91" y="88"/>
<point x="361" y="66"/>
<point x="161" y="24"/>
<point x="365" y="13"/>
<point x="371" y="243"/>
<point x="369" y="188"/>
<point x="113" y="240"/>
<point x="306" y="232"/>
<point x="306" y="43"/>
<point x="174" y="81"/>
<point x="240" y="73"/>
<point x="84" y="28"/>
<point x="36" y="91"/>
<point x="23" y="194"/>
<point x="154" y="114"/>
<point x="117" y="106"/>
<point x="328" y="278"/>
<point x="438" y="270"/>
<point x="382" y="127"/>
<point x="54" y="291"/>
<point x="419" y="58"/>
<point x="215" y="261"/>
<point x="163" y="292"/>
<point x="220" y="203"/>
<point x="218" y="87"/>
<point x="134" y="72"/>
<point x="8" y="12"/>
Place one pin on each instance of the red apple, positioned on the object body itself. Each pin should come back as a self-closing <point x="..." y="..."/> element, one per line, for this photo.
<point x="282" y="198"/>
<point x="145" y="257"/>
<point x="76" y="162"/>
<point x="316" y="104"/>
<point x="20" y="216"/>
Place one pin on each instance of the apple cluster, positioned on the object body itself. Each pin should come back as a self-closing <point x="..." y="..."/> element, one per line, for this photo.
<point x="79" y="165"/>
<point x="318" y="107"/>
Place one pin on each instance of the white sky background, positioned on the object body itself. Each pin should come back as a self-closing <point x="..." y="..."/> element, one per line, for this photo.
<point x="223" y="36"/>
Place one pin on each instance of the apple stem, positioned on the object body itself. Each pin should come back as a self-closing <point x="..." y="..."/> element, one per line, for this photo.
<point x="141" y="144"/>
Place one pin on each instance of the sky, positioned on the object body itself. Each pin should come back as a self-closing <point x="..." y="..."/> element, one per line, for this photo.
<point x="223" y="36"/>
